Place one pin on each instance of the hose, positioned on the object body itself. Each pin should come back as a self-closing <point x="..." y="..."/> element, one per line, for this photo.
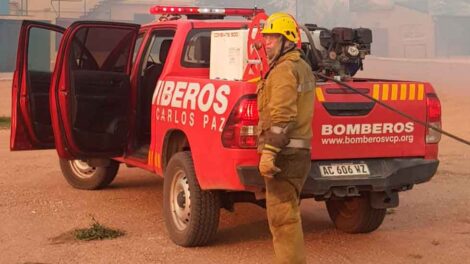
<point x="312" y="44"/>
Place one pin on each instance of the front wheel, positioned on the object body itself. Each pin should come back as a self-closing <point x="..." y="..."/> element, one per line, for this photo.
<point x="355" y="215"/>
<point x="81" y="175"/>
<point x="191" y="214"/>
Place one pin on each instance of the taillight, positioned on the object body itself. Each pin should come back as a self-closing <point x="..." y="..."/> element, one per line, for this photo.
<point x="240" y="129"/>
<point x="433" y="116"/>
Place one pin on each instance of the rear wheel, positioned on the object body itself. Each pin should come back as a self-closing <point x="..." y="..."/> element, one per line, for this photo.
<point x="355" y="215"/>
<point x="191" y="214"/>
<point x="81" y="175"/>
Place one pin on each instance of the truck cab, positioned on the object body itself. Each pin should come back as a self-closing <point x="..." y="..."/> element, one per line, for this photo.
<point x="143" y="96"/>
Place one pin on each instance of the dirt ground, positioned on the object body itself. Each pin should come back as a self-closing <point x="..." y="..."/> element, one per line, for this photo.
<point x="5" y="98"/>
<point x="38" y="208"/>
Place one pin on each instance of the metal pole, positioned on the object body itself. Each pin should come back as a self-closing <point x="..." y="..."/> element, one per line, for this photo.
<point x="84" y="7"/>
<point x="59" y="9"/>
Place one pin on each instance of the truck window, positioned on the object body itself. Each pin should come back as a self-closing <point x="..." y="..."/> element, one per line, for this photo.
<point x="197" y="49"/>
<point x="88" y="53"/>
<point x="40" y="49"/>
<point x="156" y="54"/>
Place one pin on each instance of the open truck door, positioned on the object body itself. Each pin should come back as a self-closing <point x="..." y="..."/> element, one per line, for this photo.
<point x="31" y="120"/>
<point x="91" y="90"/>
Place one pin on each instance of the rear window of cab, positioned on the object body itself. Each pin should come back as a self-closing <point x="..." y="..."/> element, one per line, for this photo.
<point x="197" y="48"/>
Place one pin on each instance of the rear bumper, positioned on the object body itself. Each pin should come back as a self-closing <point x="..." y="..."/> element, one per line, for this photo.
<point x="389" y="175"/>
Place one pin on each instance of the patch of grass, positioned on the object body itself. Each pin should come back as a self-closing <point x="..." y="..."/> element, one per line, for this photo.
<point x="97" y="231"/>
<point x="5" y="122"/>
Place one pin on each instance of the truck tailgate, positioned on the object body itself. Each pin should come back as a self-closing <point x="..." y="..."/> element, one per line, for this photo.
<point x="347" y="125"/>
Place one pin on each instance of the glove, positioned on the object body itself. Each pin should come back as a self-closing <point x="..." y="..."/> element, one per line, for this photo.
<point x="266" y="164"/>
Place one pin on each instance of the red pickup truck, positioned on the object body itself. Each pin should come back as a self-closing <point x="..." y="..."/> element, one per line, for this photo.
<point x="141" y="95"/>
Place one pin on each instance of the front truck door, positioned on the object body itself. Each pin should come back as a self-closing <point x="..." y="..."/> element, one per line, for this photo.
<point x="31" y="119"/>
<point x="91" y="91"/>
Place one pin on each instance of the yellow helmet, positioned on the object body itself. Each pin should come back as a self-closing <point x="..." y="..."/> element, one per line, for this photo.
<point x="282" y="23"/>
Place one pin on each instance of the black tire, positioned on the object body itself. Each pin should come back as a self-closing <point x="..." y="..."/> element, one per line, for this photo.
<point x="191" y="214"/>
<point x="82" y="176"/>
<point x="355" y="215"/>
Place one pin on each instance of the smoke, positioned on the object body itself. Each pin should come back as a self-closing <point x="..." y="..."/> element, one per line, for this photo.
<point x="413" y="29"/>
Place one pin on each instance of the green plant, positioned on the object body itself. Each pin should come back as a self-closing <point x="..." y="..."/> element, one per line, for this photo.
<point x="97" y="231"/>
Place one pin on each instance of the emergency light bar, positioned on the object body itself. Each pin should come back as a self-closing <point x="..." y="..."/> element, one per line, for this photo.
<point x="191" y="11"/>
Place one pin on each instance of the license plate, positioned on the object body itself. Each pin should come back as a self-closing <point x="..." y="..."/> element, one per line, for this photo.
<point x="344" y="169"/>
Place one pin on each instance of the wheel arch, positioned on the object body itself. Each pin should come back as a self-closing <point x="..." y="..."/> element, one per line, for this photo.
<point x="175" y="141"/>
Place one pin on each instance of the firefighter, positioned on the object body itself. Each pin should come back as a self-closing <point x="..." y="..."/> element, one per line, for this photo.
<point x="285" y="106"/>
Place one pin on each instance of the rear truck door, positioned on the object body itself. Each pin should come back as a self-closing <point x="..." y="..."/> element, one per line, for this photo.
<point x="349" y="126"/>
<point x="91" y="91"/>
<point x="31" y="120"/>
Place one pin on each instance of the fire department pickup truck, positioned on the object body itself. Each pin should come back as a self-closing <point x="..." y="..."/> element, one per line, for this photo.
<point x="142" y="95"/>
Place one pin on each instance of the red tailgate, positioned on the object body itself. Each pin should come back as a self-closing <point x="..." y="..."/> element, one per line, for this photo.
<point x="347" y="125"/>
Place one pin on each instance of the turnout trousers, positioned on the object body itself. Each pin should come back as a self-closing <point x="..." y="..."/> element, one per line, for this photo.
<point x="282" y="204"/>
